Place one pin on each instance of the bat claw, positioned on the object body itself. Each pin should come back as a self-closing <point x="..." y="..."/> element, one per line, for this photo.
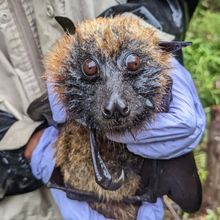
<point x="119" y="182"/>
<point x="114" y="185"/>
<point x="102" y="175"/>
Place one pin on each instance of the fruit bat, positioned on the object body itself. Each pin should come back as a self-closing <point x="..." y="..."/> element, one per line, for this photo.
<point x="112" y="76"/>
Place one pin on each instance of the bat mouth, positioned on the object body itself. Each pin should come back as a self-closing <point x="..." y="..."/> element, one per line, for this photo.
<point x="121" y="126"/>
<point x="117" y="125"/>
<point x="102" y="175"/>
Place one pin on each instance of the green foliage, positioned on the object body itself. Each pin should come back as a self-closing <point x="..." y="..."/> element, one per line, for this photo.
<point x="203" y="57"/>
<point x="213" y="215"/>
<point x="200" y="158"/>
<point x="213" y="5"/>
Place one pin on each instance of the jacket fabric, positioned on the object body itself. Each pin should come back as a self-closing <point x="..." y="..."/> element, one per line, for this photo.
<point x="27" y="31"/>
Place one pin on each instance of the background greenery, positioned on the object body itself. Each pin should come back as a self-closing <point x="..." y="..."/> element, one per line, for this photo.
<point x="202" y="59"/>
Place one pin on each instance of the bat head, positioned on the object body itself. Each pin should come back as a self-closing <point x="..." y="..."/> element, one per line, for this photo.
<point x="111" y="73"/>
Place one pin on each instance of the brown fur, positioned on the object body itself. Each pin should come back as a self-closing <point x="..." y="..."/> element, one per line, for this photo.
<point x="73" y="156"/>
<point x="72" y="147"/>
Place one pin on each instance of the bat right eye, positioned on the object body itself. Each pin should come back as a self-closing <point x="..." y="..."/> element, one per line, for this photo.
<point x="90" y="67"/>
<point x="132" y="62"/>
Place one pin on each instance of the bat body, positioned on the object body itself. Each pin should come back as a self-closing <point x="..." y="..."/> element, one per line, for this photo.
<point x="112" y="76"/>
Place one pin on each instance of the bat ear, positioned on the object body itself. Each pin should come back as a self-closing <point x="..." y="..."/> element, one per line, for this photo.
<point x="67" y="25"/>
<point x="173" y="46"/>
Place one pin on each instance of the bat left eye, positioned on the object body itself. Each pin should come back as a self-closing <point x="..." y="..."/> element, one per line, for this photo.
<point x="90" y="67"/>
<point x="132" y="62"/>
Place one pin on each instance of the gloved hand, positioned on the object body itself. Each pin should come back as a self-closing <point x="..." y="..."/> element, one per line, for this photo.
<point x="172" y="134"/>
<point x="43" y="163"/>
<point x="184" y="123"/>
<point x="151" y="211"/>
<point x="176" y="132"/>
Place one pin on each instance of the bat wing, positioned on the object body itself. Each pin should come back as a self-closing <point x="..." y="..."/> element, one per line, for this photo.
<point x="177" y="178"/>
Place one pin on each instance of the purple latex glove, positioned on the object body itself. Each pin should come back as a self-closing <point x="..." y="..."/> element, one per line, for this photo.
<point x="43" y="163"/>
<point x="42" y="160"/>
<point x="171" y="134"/>
<point x="174" y="133"/>
<point x="58" y="111"/>
<point x="151" y="211"/>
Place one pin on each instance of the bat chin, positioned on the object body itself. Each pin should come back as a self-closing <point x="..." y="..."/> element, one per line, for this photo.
<point x="120" y="126"/>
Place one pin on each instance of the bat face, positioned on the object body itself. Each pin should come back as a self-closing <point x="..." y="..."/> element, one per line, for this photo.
<point x="113" y="74"/>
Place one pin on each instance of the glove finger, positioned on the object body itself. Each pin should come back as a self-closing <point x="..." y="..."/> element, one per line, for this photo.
<point x="57" y="108"/>
<point x="42" y="160"/>
<point x="151" y="211"/>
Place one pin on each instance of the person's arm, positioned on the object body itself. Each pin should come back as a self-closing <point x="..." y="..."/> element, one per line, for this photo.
<point x="174" y="133"/>
<point x="13" y="165"/>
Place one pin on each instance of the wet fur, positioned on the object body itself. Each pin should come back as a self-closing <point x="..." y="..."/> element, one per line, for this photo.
<point x="105" y="39"/>
<point x="74" y="158"/>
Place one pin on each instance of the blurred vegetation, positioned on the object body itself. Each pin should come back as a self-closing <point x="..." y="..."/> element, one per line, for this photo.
<point x="213" y="214"/>
<point x="202" y="59"/>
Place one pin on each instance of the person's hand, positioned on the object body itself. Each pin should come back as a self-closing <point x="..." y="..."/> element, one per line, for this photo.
<point x="32" y="143"/>
<point x="56" y="114"/>
<point x="43" y="163"/>
<point x="151" y="211"/>
<point x="58" y="111"/>
<point x="175" y="132"/>
<point x="172" y="134"/>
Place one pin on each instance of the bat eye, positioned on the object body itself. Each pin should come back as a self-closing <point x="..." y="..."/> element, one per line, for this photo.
<point x="89" y="67"/>
<point x="132" y="62"/>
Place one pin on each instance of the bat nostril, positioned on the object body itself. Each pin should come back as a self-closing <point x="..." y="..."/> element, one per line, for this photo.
<point x="125" y="111"/>
<point x="107" y="113"/>
<point x="115" y="109"/>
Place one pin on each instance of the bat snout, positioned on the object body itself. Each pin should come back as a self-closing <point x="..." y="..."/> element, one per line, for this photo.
<point x="115" y="107"/>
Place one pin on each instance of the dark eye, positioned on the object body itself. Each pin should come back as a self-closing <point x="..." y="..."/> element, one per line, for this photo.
<point x="90" y="67"/>
<point x="132" y="62"/>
